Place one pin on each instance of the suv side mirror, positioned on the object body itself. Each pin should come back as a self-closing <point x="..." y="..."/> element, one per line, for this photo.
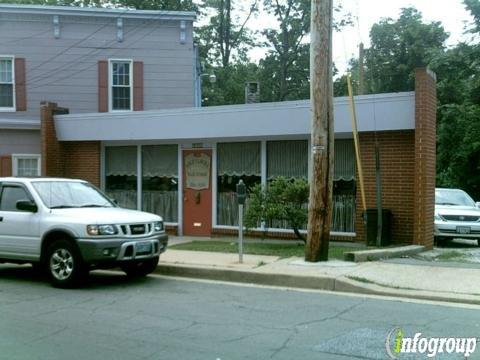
<point x="27" y="205"/>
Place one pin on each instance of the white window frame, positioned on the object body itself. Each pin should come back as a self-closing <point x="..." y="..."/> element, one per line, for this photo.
<point x="14" y="107"/>
<point x="16" y="157"/>
<point x="110" y="83"/>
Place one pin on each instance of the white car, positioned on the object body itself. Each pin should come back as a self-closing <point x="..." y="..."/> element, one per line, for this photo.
<point x="69" y="227"/>
<point x="456" y="215"/>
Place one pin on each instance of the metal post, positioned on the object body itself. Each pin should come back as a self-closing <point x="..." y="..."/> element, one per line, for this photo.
<point x="240" y="233"/>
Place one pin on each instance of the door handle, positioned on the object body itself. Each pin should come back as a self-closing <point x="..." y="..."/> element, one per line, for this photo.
<point x="1" y="218"/>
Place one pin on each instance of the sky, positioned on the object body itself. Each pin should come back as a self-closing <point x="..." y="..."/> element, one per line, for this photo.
<point x="451" y="13"/>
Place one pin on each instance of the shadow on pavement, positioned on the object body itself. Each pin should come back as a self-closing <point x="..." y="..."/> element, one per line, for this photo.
<point x="97" y="279"/>
<point x="458" y="244"/>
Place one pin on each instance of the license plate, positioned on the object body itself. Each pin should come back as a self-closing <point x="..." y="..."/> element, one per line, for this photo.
<point x="463" y="229"/>
<point x="143" y="248"/>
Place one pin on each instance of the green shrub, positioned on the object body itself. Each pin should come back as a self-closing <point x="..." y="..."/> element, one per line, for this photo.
<point x="282" y="200"/>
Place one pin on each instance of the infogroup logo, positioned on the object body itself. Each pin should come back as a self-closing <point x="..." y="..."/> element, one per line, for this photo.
<point x="397" y="344"/>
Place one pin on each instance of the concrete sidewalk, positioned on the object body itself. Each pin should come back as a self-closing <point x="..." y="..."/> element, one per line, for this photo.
<point x="449" y="284"/>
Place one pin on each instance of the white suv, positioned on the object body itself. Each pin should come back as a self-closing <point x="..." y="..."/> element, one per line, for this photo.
<point x="69" y="227"/>
<point x="456" y="215"/>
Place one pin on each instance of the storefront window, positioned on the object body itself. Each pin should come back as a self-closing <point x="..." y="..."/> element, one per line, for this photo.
<point x="289" y="159"/>
<point x="160" y="181"/>
<point x="235" y="161"/>
<point x="121" y="175"/>
<point x="344" y="187"/>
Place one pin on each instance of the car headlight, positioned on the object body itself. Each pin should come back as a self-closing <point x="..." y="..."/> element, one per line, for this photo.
<point x="95" y="230"/>
<point x="158" y="226"/>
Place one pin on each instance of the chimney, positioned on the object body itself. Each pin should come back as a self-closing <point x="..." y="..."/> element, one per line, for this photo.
<point x="252" y="92"/>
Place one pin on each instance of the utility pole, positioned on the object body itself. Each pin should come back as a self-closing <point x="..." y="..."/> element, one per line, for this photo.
<point x="321" y="94"/>
<point x="361" y="71"/>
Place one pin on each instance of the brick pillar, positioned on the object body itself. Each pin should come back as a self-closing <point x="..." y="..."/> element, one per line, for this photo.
<point x="52" y="155"/>
<point x="82" y="160"/>
<point x="425" y="156"/>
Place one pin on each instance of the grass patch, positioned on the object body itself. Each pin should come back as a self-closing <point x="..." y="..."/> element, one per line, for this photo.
<point x="450" y="255"/>
<point x="281" y="250"/>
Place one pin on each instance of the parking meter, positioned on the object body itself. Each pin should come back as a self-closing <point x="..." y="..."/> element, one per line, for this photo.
<point x="241" y="192"/>
<point x="241" y="197"/>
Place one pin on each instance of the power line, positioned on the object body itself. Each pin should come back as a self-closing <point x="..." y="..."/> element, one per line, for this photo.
<point x="75" y="44"/>
<point x="40" y="77"/>
<point x="78" y="71"/>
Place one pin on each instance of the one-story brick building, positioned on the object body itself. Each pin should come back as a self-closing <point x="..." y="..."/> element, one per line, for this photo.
<point x="184" y="163"/>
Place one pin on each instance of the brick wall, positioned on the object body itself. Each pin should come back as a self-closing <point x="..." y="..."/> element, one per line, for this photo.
<point x="52" y="164"/>
<point x="425" y="156"/>
<point x="82" y="160"/>
<point x="79" y="160"/>
<point x="397" y="163"/>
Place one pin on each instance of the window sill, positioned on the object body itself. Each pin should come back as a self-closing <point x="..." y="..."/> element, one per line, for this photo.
<point x="8" y="109"/>
<point x="120" y="111"/>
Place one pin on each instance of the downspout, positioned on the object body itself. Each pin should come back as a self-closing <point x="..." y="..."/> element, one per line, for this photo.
<point x="197" y="79"/>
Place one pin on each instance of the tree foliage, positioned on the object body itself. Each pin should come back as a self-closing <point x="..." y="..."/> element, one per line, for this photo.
<point x="282" y="200"/>
<point x="397" y="48"/>
<point x="226" y="37"/>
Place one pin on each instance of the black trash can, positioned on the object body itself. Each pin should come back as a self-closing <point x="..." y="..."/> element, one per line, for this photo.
<point x="372" y="227"/>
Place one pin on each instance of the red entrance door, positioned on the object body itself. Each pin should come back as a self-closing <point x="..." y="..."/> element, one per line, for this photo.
<point x="197" y="192"/>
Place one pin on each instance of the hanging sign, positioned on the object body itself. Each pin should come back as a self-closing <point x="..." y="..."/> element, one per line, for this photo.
<point x="197" y="171"/>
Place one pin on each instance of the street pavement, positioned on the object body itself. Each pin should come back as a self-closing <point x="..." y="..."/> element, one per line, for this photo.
<point x="114" y="317"/>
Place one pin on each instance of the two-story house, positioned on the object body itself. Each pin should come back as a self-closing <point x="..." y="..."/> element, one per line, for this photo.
<point x="88" y="60"/>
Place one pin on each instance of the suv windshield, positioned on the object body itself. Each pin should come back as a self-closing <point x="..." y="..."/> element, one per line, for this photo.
<point x="70" y="194"/>
<point x="453" y="197"/>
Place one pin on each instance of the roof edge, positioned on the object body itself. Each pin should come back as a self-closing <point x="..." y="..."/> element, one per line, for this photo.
<point x="13" y="124"/>
<point x="98" y="12"/>
<point x="295" y="104"/>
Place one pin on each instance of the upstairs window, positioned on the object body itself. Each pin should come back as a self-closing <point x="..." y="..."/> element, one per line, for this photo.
<point x="121" y="89"/>
<point x="7" y="83"/>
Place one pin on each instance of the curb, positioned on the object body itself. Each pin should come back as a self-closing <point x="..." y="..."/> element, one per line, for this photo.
<point x="387" y="253"/>
<point x="247" y="277"/>
<point x="343" y="284"/>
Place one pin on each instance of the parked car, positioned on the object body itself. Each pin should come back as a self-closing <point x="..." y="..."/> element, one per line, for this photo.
<point x="69" y="227"/>
<point x="456" y="215"/>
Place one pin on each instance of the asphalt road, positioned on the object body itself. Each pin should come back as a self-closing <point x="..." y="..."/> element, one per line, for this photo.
<point x="158" y="318"/>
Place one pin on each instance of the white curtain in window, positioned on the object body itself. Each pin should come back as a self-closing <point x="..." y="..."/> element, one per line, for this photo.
<point x="287" y="158"/>
<point x="344" y="160"/>
<point x="238" y="159"/>
<point x="121" y="161"/>
<point x="160" y="161"/>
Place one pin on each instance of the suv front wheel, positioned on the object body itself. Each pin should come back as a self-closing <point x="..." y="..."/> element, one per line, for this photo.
<point x="65" y="265"/>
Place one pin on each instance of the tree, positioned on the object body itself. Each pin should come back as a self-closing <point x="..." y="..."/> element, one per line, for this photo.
<point x="458" y="118"/>
<point x="289" y="53"/>
<point x="282" y="200"/>
<point x="398" y="47"/>
<point x="229" y="89"/>
<point x="285" y="70"/>
<point x="226" y="36"/>
<point x="174" y="5"/>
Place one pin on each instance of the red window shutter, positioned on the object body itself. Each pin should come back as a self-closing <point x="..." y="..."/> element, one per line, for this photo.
<point x="103" y="86"/>
<point x="137" y="86"/>
<point x="5" y="166"/>
<point x="20" y="90"/>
